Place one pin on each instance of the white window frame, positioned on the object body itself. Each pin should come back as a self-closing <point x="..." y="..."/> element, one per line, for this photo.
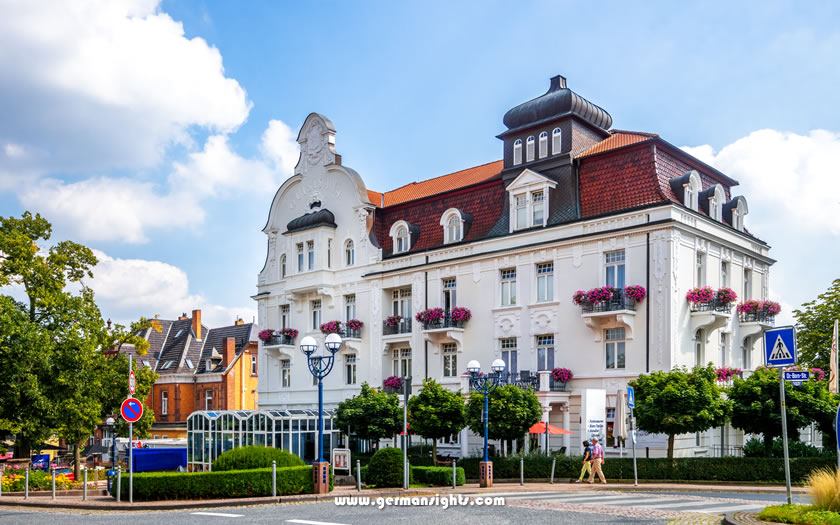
<point x="530" y="143"/>
<point x="329" y="253"/>
<point x="285" y="315"/>
<point x="545" y="282"/>
<point x="520" y="211"/>
<point x="517" y="152"/>
<point x="401" y="237"/>
<point x="164" y="402"/>
<point x="401" y="303"/>
<point x="545" y="352"/>
<point x="615" y="261"/>
<point x="521" y="195"/>
<point x="285" y="373"/>
<point x="449" y="353"/>
<point x="723" y="348"/>
<point x="699" y="269"/>
<point x="543" y="145"/>
<point x="747" y="284"/>
<point x="253" y="365"/>
<point x="537" y="199"/>
<point x="615" y="341"/>
<point x="746" y="354"/>
<point x="691" y="190"/>
<point x="317" y="311"/>
<point x="507" y="287"/>
<point x="453" y="226"/>
<point x="716" y="203"/>
<point x="208" y="400"/>
<point x="739" y="213"/>
<point x="350" y="369"/>
<point x="350" y="306"/>
<point x="349" y="253"/>
<point x="401" y="362"/>
<point x="724" y="273"/>
<point x="556" y="141"/>
<point x="300" y="257"/>
<point x="509" y="351"/>
<point x="449" y="287"/>
<point x="699" y="348"/>
<point x="283" y="266"/>
<point x="310" y="255"/>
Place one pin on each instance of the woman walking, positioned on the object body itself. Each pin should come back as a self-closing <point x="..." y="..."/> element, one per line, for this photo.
<point x="587" y="459"/>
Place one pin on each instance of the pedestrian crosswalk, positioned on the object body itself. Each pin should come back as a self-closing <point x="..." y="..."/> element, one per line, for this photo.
<point x="675" y="503"/>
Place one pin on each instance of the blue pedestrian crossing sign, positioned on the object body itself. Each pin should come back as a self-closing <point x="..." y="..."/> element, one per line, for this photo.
<point x="780" y="346"/>
<point x="631" y="397"/>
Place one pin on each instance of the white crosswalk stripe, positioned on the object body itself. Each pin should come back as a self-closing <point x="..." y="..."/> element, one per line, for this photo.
<point x="731" y="508"/>
<point x="625" y="499"/>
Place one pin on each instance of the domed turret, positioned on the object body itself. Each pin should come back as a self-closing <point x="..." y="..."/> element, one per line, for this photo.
<point x="558" y="101"/>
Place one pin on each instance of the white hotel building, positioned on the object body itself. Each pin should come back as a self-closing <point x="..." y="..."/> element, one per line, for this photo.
<point x="573" y="205"/>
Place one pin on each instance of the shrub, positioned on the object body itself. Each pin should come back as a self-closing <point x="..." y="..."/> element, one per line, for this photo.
<point x="245" y="458"/>
<point x="386" y="468"/>
<point x="824" y="489"/>
<point x="754" y="448"/>
<point x="438" y="475"/>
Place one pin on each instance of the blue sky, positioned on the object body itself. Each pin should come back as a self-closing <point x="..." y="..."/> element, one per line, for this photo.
<point x="162" y="150"/>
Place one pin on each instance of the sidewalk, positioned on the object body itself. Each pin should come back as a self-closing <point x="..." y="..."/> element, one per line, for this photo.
<point x="107" y="503"/>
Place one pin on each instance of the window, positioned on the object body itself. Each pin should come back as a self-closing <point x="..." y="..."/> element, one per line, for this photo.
<point x="746" y="354"/>
<point x="747" y="283"/>
<point x="691" y="191"/>
<point x="284" y="316"/>
<point x="329" y="253"/>
<point x="517" y="152"/>
<point x="283" y="266"/>
<point x="699" y="358"/>
<point x="529" y="149"/>
<point x="350" y="369"/>
<point x="285" y="373"/>
<point x="401" y="303"/>
<point x="208" y="400"/>
<point x="521" y="204"/>
<point x="450" y="360"/>
<point x="253" y="365"/>
<point x="453" y="229"/>
<point x="538" y="208"/>
<point x="545" y="352"/>
<point x="316" y="314"/>
<point x="300" y="256"/>
<point x="147" y="364"/>
<point x="716" y="203"/>
<point x="164" y="403"/>
<point x="509" y="356"/>
<point x="543" y="144"/>
<point x="449" y="294"/>
<point x="699" y="273"/>
<point x="556" y="142"/>
<point x="614" y="265"/>
<point x="349" y="307"/>
<point x="402" y="362"/>
<point x="508" y="287"/>
<point x="349" y="254"/>
<point x="402" y="240"/>
<point x="545" y="282"/>
<point x="724" y="273"/>
<point x="722" y="349"/>
<point x="310" y="253"/>
<point x="614" y="348"/>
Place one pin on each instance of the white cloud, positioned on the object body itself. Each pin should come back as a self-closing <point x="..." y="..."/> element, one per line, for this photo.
<point x="279" y="145"/>
<point x="127" y="289"/>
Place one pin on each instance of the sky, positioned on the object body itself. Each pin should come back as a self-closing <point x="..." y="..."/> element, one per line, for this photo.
<point x="157" y="133"/>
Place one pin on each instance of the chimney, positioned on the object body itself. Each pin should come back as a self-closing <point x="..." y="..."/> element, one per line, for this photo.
<point x="183" y="317"/>
<point x="229" y="351"/>
<point x="239" y="321"/>
<point x="196" y="324"/>
<point x="557" y="83"/>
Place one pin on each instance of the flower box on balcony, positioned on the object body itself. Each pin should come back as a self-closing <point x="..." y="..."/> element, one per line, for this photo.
<point x="286" y="336"/>
<point x="331" y="327"/>
<point x="392" y="385"/>
<point x="753" y="311"/>
<point x="438" y="318"/>
<point x="396" y="324"/>
<point x="609" y="299"/>
<point x="353" y="329"/>
<point x="704" y="299"/>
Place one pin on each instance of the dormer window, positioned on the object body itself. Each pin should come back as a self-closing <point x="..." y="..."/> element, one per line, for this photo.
<point x="453" y="226"/>
<point x="529" y="149"/>
<point x="517" y="152"/>
<point x="555" y="141"/>
<point x="716" y="203"/>
<point x="734" y="212"/>
<point x="692" y="191"/>
<point x="521" y="212"/>
<point x="401" y="237"/>
<point x="402" y="240"/>
<point x="538" y="208"/>
<point x="543" y="145"/>
<point x="529" y="200"/>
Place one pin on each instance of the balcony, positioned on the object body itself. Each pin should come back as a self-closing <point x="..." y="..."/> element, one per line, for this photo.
<point x="349" y="333"/>
<point x="525" y="379"/>
<point x="280" y="340"/>
<point x="619" y="302"/>
<point x="757" y="317"/>
<point x="397" y="328"/>
<point x="715" y="305"/>
<point x="443" y="323"/>
<point x="619" y="310"/>
<point x="709" y="315"/>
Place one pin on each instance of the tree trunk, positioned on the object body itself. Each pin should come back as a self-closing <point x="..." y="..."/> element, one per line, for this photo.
<point x="670" y="446"/>
<point x="23" y="447"/>
<point x="434" y="451"/>
<point x="768" y="445"/>
<point x="77" y="456"/>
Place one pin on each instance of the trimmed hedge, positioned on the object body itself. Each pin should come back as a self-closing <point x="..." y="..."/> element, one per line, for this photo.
<point x="386" y="468"/>
<point x="150" y="486"/>
<point x="252" y="457"/>
<point x="438" y="475"/>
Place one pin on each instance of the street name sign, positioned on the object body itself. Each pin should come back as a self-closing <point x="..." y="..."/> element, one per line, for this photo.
<point x="796" y="377"/>
<point x="131" y="410"/>
<point x="780" y="346"/>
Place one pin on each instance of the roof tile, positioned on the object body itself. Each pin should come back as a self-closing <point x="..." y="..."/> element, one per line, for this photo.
<point x="438" y="185"/>
<point x="618" y="139"/>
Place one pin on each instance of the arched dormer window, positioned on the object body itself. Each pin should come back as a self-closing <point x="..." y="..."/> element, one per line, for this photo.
<point x="555" y="141"/>
<point x="543" y="144"/>
<point x="529" y="149"/>
<point x="453" y="226"/>
<point x="283" y="266"/>
<point x="738" y="214"/>
<point x="517" y="152"/>
<point x="692" y="191"/>
<point x="401" y="237"/>
<point x="349" y="253"/>
<point x="716" y="203"/>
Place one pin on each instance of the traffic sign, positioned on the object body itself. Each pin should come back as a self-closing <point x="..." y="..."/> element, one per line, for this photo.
<point x="796" y="377"/>
<point x="131" y="382"/>
<point x="780" y="346"/>
<point x="631" y="397"/>
<point x="131" y="410"/>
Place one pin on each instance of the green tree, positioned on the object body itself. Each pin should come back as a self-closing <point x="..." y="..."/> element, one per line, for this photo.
<point x="679" y="401"/>
<point x="756" y="406"/>
<point x="512" y="411"/>
<point x="815" y="327"/>
<point x="436" y="413"/>
<point x="370" y="414"/>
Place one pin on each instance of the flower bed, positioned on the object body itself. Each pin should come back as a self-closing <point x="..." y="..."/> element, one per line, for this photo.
<point x="14" y="480"/>
<point x="331" y="327"/>
<point x="703" y="294"/>
<point x="561" y="374"/>
<point x="459" y="314"/>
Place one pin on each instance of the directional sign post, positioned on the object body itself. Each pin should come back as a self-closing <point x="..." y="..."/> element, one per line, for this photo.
<point x="631" y="402"/>
<point x="797" y="377"/>
<point x="780" y="351"/>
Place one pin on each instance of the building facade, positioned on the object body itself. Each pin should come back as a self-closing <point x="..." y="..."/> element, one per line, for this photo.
<point x="573" y="205"/>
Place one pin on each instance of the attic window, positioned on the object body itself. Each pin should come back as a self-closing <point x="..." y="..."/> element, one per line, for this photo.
<point x="181" y="331"/>
<point x="716" y="203"/>
<point x="529" y="195"/>
<point x="147" y="364"/>
<point x="453" y="226"/>
<point x="190" y="364"/>
<point x="167" y="365"/>
<point x="401" y="237"/>
<point x="543" y="144"/>
<point x="555" y="141"/>
<point x="529" y="149"/>
<point x="692" y="191"/>
<point x="517" y="152"/>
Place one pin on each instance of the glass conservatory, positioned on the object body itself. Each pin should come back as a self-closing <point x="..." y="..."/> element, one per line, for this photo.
<point x="209" y="433"/>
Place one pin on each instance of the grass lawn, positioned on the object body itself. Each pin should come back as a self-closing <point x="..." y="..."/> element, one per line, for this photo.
<point x="799" y="514"/>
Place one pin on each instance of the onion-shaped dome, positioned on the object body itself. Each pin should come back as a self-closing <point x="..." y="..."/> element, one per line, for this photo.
<point x="558" y="101"/>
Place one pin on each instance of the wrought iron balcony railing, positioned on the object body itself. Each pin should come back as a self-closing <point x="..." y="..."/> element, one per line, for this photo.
<point x="715" y="305"/>
<point x="756" y="317"/>
<point x="445" y="322"/>
<point x="349" y="333"/>
<point x="402" y="327"/>
<point x="618" y="302"/>
<point x="278" y="339"/>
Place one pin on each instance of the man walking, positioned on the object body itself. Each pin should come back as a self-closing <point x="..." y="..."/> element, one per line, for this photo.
<point x="597" y="460"/>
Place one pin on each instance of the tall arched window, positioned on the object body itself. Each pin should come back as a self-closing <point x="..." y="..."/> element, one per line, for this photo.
<point x="716" y="203"/>
<point x="283" y="266"/>
<point x="692" y="191"/>
<point x="517" y="152"/>
<point x="349" y="254"/>
<point x="543" y="144"/>
<point x="529" y="149"/>
<point x="402" y="240"/>
<point x="555" y="141"/>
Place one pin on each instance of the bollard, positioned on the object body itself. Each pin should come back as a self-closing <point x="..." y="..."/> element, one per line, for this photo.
<point x="84" y="481"/>
<point x="119" y="483"/>
<point x="454" y="474"/>
<point x="521" y="471"/>
<point x="26" y="485"/>
<point x="53" y="482"/>
<point x="553" y="464"/>
<point x="358" y="475"/>
<point x="274" y="479"/>
<point x="406" y="471"/>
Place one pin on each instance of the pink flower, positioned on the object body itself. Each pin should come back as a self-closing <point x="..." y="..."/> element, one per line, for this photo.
<point x="636" y="292"/>
<point x="704" y="294"/>
<point x="331" y="327"/>
<point x="726" y="295"/>
<point x="460" y="314"/>
<point x="562" y="375"/>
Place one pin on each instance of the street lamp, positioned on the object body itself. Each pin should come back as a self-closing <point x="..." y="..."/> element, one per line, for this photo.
<point x="484" y="384"/>
<point x="110" y="423"/>
<point x="320" y="366"/>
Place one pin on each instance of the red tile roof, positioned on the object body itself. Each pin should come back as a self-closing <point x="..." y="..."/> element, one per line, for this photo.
<point x="618" y="139"/>
<point x="438" y="185"/>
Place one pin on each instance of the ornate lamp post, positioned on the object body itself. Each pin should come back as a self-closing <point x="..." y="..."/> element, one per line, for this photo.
<point x="320" y="366"/>
<point x="485" y="384"/>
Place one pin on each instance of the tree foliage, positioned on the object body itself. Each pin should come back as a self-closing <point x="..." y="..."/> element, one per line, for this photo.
<point x="370" y="414"/>
<point x="512" y="411"/>
<point x="436" y="413"/>
<point x="756" y="406"/>
<point x="815" y="327"/>
<point x="679" y="401"/>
